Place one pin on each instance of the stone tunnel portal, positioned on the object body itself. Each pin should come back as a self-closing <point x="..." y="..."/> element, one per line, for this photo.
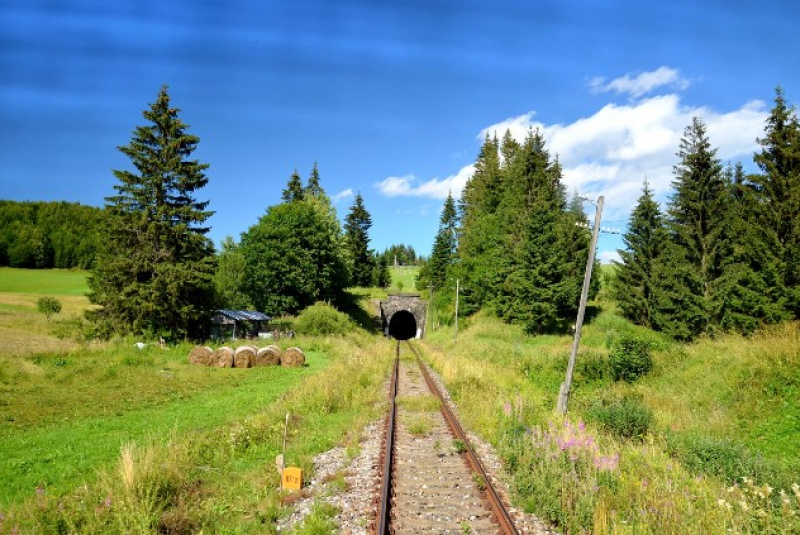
<point x="403" y="316"/>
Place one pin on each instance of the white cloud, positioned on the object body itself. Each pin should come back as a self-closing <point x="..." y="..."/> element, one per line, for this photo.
<point x="342" y="195"/>
<point x="434" y="188"/>
<point x="641" y="84"/>
<point x="611" y="152"/>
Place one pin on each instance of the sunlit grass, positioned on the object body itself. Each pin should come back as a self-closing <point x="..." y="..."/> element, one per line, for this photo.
<point x="728" y="402"/>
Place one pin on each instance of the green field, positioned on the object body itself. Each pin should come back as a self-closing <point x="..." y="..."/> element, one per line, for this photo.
<point x="720" y="410"/>
<point x="56" y="282"/>
<point x="64" y="416"/>
<point x="404" y="278"/>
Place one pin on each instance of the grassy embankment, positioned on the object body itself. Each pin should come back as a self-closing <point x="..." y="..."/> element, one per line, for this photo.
<point x="723" y="409"/>
<point x="114" y="439"/>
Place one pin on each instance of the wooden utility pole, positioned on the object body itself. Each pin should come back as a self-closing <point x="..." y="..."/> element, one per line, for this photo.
<point x="563" y="393"/>
<point x="456" y="333"/>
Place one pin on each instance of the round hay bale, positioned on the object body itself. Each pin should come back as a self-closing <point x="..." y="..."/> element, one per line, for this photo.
<point x="200" y="355"/>
<point x="294" y="357"/>
<point x="222" y="358"/>
<point x="268" y="356"/>
<point x="244" y="356"/>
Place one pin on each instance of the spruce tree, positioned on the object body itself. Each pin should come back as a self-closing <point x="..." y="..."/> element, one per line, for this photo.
<point x="443" y="255"/>
<point x="357" y="225"/>
<point x="294" y="189"/>
<point x="541" y="285"/>
<point x="748" y="292"/>
<point x="155" y="272"/>
<point x="644" y="242"/>
<point x="695" y="212"/>
<point x="480" y="247"/>
<point x="313" y="187"/>
<point x="778" y="191"/>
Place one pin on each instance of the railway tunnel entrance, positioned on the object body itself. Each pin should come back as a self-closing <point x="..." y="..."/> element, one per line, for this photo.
<point x="403" y="316"/>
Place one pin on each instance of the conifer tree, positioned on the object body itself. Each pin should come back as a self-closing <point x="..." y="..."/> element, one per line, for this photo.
<point x="313" y="187"/>
<point x="695" y="218"/>
<point x="357" y="225"/>
<point x="480" y="236"/>
<point x="155" y="273"/>
<point x="778" y="190"/>
<point x="294" y="189"/>
<point x="541" y="285"/>
<point x="443" y="255"/>
<point x="748" y="292"/>
<point x="644" y="242"/>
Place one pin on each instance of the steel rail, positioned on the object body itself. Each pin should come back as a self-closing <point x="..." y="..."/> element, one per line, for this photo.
<point x="388" y="453"/>
<point x="499" y="512"/>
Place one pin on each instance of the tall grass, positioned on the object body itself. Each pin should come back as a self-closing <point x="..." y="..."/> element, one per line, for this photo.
<point x="222" y="479"/>
<point x="736" y="394"/>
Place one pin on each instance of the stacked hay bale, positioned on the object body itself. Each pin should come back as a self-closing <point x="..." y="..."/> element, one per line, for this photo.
<point x="244" y="356"/>
<point x="223" y="358"/>
<point x="293" y="357"/>
<point x="268" y="356"/>
<point x="201" y="356"/>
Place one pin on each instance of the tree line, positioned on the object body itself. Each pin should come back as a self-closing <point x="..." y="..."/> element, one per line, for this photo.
<point x="725" y="255"/>
<point x="157" y="273"/>
<point x="49" y="234"/>
<point x="512" y="241"/>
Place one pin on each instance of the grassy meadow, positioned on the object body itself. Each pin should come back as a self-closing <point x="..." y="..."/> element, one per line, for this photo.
<point x="105" y="438"/>
<point x="110" y="439"/>
<point x="720" y="410"/>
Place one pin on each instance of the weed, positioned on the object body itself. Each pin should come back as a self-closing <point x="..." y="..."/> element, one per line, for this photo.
<point x="423" y="403"/>
<point x="459" y="447"/>
<point x="420" y="424"/>
<point x="626" y="418"/>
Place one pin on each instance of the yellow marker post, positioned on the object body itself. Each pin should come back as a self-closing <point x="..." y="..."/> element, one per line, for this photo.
<point x="292" y="478"/>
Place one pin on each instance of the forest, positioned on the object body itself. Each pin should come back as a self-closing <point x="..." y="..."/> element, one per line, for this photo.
<point x="49" y="234"/>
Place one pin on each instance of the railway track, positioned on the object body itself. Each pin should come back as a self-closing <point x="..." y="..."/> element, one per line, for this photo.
<point x="431" y="479"/>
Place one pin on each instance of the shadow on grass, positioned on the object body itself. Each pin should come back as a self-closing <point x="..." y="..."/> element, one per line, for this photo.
<point x="357" y="307"/>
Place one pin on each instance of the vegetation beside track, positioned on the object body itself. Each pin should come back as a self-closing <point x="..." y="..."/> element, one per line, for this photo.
<point x="719" y="447"/>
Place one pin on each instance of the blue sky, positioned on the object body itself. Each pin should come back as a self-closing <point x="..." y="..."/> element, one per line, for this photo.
<point x="391" y="99"/>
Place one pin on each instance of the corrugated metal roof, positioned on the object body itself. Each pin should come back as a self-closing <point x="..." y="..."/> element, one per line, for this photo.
<point x="245" y="315"/>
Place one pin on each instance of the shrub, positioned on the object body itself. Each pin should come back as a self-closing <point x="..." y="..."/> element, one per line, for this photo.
<point x="48" y="306"/>
<point x="626" y="418"/>
<point x="630" y="357"/>
<point x="592" y="366"/>
<point x="322" y="319"/>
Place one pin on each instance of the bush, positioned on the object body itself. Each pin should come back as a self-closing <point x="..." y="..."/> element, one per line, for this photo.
<point x="48" y="306"/>
<point x="626" y="418"/>
<point x="591" y="366"/>
<point x="321" y="319"/>
<point x="630" y="357"/>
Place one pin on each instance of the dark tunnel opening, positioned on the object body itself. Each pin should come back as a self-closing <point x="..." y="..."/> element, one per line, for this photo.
<point x="403" y="325"/>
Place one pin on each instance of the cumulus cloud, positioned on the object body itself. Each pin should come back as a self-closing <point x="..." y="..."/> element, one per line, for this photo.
<point x="435" y="188"/>
<point x="642" y="83"/>
<point x="611" y="152"/>
<point x="342" y="195"/>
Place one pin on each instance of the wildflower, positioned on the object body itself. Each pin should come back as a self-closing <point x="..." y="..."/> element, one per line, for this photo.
<point x="743" y="505"/>
<point x="721" y="502"/>
<point x="731" y="489"/>
<point x="768" y="489"/>
<point x="507" y="408"/>
<point x="39" y="490"/>
<point x="107" y="501"/>
<point x="581" y="426"/>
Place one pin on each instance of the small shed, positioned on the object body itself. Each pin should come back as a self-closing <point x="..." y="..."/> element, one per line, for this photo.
<point x="238" y="323"/>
